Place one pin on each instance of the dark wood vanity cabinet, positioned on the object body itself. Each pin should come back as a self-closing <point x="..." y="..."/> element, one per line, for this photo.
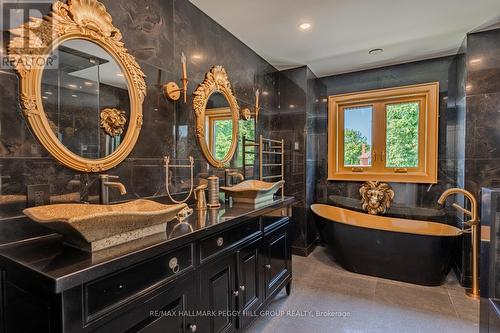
<point x="213" y="283"/>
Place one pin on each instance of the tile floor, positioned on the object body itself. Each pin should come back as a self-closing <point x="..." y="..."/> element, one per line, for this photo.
<point x="369" y="304"/>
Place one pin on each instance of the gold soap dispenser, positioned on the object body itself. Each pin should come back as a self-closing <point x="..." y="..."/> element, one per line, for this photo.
<point x="199" y="195"/>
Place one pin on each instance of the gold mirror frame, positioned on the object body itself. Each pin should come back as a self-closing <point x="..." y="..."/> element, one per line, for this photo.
<point x="78" y="19"/>
<point x="216" y="80"/>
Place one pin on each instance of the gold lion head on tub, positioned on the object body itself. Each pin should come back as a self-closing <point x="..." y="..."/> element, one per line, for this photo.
<point x="376" y="197"/>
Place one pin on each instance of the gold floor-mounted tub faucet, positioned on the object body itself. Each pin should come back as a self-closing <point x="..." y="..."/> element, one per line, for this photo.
<point x="473" y="223"/>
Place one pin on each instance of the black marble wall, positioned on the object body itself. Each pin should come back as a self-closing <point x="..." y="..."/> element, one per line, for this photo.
<point x="300" y="120"/>
<point x="155" y="32"/>
<point x="482" y="135"/>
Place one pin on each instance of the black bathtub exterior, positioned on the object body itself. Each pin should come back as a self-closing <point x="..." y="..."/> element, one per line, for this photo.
<point x="418" y="259"/>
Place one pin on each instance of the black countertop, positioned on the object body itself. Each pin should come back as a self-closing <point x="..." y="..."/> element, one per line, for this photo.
<point x="59" y="267"/>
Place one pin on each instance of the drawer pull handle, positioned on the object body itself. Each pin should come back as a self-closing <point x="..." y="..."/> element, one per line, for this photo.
<point x="192" y="327"/>
<point x="268" y="266"/>
<point x="220" y="241"/>
<point x="174" y="265"/>
<point x="242" y="288"/>
<point x="236" y="293"/>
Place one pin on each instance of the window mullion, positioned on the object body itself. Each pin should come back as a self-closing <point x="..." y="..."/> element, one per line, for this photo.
<point x="378" y="136"/>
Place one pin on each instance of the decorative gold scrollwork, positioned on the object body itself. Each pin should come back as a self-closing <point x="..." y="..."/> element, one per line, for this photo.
<point x="216" y="80"/>
<point x="29" y="49"/>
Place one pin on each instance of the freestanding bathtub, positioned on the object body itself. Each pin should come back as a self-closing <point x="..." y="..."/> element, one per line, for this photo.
<point x="399" y="249"/>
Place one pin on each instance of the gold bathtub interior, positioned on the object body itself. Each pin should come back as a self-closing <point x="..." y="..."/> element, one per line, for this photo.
<point x="363" y="220"/>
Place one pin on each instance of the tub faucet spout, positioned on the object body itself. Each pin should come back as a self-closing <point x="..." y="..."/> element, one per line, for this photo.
<point x="473" y="202"/>
<point x="473" y="223"/>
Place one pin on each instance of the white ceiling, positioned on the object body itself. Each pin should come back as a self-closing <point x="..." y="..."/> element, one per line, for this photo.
<point x="343" y="31"/>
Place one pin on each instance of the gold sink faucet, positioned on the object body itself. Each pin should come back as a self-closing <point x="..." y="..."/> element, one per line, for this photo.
<point x="473" y="223"/>
<point x="230" y="175"/>
<point x="105" y="184"/>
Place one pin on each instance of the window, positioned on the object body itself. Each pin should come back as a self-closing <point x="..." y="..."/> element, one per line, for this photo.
<point x="387" y="135"/>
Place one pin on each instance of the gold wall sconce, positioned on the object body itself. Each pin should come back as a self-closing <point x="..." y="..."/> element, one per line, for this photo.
<point x="246" y="114"/>
<point x="171" y="90"/>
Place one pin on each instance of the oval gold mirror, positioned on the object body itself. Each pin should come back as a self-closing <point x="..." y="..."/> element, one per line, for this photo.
<point x="217" y="116"/>
<point x="81" y="91"/>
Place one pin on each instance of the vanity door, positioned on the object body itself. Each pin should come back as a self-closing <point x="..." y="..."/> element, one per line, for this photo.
<point x="218" y="295"/>
<point x="250" y="293"/>
<point x="277" y="258"/>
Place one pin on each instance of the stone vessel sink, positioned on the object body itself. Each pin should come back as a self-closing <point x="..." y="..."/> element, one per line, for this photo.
<point x="96" y="227"/>
<point x="253" y="192"/>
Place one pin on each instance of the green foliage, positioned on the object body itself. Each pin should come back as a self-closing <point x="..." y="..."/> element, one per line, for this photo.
<point x="247" y="130"/>
<point x="353" y="141"/>
<point x="223" y="136"/>
<point x="402" y="135"/>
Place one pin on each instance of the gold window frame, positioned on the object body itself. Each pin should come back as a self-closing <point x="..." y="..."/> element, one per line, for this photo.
<point x="427" y="96"/>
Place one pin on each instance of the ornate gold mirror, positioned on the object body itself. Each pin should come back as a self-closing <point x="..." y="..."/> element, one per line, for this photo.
<point x="217" y="116"/>
<point x="80" y="90"/>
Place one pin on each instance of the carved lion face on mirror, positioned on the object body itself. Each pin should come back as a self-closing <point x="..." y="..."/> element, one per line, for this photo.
<point x="217" y="115"/>
<point x="376" y="197"/>
<point x="74" y="71"/>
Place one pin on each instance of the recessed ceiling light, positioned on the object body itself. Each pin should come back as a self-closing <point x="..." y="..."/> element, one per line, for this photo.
<point x="305" y="26"/>
<point x="196" y="56"/>
<point x="48" y="93"/>
<point x="74" y="95"/>
<point x="292" y="106"/>
<point x="468" y="87"/>
<point x="475" y="61"/>
<point x="88" y="83"/>
<point x="265" y="93"/>
<point x="72" y="86"/>
<point x="375" y="51"/>
<point x="44" y="97"/>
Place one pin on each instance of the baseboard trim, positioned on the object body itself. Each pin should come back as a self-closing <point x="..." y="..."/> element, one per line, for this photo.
<point x="305" y="251"/>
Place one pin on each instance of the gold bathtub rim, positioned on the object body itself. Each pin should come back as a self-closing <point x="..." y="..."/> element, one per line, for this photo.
<point x="386" y="223"/>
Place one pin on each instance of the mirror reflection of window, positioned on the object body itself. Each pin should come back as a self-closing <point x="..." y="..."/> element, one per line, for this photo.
<point x="219" y="125"/>
<point x="86" y="81"/>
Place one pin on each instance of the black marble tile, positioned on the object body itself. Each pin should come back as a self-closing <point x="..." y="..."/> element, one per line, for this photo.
<point x="483" y="63"/>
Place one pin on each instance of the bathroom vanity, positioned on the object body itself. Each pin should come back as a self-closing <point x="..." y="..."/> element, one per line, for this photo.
<point x="212" y="272"/>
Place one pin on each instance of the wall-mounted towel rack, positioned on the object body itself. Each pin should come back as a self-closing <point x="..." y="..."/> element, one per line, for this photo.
<point x="272" y="160"/>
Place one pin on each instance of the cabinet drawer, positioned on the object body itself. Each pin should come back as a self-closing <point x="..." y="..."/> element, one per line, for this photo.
<point x="213" y="245"/>
<point x="112" y="291"/>
<point x="272" y="222"/>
